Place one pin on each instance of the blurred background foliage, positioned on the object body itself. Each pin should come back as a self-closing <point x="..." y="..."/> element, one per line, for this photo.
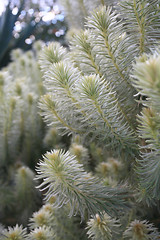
<point x="22" y="22"/>
<point x="23" y="135"/>
<point x="25" y="27"/>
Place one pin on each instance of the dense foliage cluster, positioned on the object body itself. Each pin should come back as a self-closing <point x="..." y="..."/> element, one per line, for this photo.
<point x="104" y="93"/>
<point x="23" y="135"/>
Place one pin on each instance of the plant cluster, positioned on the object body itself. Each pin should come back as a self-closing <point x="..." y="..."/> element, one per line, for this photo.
<point x="23" y="135"/>
<point x="104" y="93"/>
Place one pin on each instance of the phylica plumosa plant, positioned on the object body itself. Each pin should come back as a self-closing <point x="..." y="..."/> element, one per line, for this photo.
<point x="105" y="92"/>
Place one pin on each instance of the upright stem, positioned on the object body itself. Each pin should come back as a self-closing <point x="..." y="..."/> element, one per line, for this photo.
<point x="83" y="8"/>
<point x="102" y="2"/>
<point x="141" y="29"/>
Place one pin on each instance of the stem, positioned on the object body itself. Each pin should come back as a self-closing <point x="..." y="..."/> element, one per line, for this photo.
<point x="100" y="74"/>
<point x="141" y="29"/>
<point x="6" y="130"/>
<point x="96" y="67"/>
<point x="66" y="229"/>
<point x="63" y="122"/>
<point x="107" y="123"/>
<point x="114" y="60"/>
<point x="77" y="104"/>
<point x="83" y="8"/>
<point x="102" y="2"/>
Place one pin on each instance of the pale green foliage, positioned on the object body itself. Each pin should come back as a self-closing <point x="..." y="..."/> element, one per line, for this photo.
<point x="90" y="101"/>
<point x="22" y="134"/>
<point x="25" y="193"/>
<point x="9" y="110"/>
<point x="101" y="105"/>
<point x="16" y="232"/>
<point x="20" y="128"/>
<point x="41" y="233"/>
<point x="98" y="50"/>
<point x="64" y="178"/>
<point x="147" y="82"/>
<point x="142" y="22"/>
<point x="7" y="196"/>
<point x="53" y="54"/>
<point x="44" y="217"/>
<point x="83" y="54"/>
<point x="24" y="178"/>
<point x="102" y="228"/>
<point x="52" y="139"/>
<point x="55" y="220"/>
<point x="65" y="77"/>
<point x="107" y="38"/>
<point x="77" y="10"/>
<point x="91" y="54"/>
<point x="141" y="230"/>
<point x="146" y="79"/>
<point x="81" y="153"/>
<point x="110" y="171"/>
<point x="92" y="91"/>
